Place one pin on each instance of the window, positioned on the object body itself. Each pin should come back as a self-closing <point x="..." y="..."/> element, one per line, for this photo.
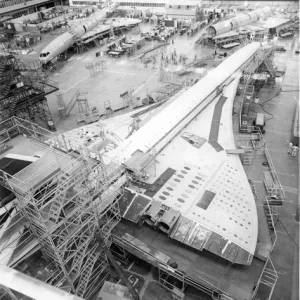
<point x="85" y="3"/>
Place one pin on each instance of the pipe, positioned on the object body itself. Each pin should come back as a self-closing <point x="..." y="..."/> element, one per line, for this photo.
<point x="32" y="287"/>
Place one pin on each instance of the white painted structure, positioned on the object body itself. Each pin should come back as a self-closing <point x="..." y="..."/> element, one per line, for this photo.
<point x="164" y="126"/>
<point x="81" y="29"/>
<point x="151" y="6"/>
<point x="179" y="10"/>
<point x="239" y="21"/>
<point x="232" y="212"/>
<point x="32" y="287"/>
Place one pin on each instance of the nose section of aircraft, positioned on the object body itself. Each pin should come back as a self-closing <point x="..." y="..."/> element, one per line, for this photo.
<point x="44" y="57"/>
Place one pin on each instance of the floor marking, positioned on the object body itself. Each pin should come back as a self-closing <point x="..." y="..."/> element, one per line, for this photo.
<point x="275" y="150"/>
<point x="278" y="231"/>
<point x="136" y="91"/>
<point x="291" y="202"/>
<point x="285" y="174"/>
<point x="86" y="77"/>
<point x="64" y="91"/>
<point x="125" y="73"/>
<point x="282" y="273"/>
<point x="278" y="103"/>
<point x="286" y="133"/>
<point x="290" y="190"/>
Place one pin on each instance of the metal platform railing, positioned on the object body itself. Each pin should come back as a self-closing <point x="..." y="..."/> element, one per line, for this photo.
<point x="268" y="278"/>
<point x="199" y="283"/>
<point x="60" y="206"/>
<point x="274" y="187"/>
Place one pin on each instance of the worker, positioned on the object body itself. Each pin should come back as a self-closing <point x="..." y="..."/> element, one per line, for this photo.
<point x="290" y="148"/>
<point x="294" y="150"/>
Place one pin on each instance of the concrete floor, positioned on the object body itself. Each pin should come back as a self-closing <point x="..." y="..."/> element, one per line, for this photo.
<point x="286" y="252"/>
<point x="285" y="255"/>
<point x="122" y="74"/>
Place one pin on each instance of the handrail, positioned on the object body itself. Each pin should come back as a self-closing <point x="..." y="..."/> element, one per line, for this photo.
<point x="274" y="173"/>
<point x="273" y="226"/>
<point x="175" y="272"/>
<point x="268" y="261"/>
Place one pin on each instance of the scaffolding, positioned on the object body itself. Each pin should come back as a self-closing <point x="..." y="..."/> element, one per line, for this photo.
<point x="66" y="200"/>
<point x="97" y="67"/>
<point x="262" y="62"/>
<point x="129" y="100"/>
<point x="23" y="96"/>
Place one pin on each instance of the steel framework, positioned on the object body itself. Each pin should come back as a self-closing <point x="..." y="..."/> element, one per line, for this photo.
<point x="23" y="96"/>
<point x="64" y="210"/>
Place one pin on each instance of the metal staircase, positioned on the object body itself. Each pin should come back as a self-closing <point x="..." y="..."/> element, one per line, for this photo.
<point x="269" y="216"/>
<point x="247" y="156"/>
<point x="58" y="199"/>
<point x="79" y="257"/>
<point x="270" y="67"/>
<point x="79" y="96"/>
<point x="267" y="278"/>
<point x="274" y="201"/>
<point x="87" y="271"/>
<point x="272" y="215"/>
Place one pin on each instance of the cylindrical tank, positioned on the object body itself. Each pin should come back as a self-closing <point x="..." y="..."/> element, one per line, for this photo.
<point x="219" y="28"/>
<point x="254" y="15"/>
<point x="242" y="20"/>
<point x="238" y="21"/>
<point x="90" y="24"/>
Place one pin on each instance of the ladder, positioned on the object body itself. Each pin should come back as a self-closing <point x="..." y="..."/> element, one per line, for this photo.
<point x="108" y="110"/>
<point x="269" y="65"/>
<point x="80" y="95"/>
<point x="80" y="255"/>
<point x="269" y="277"/>
<point x="87" y="272"/>
<point x="247" y="156"/>
<point x="59" y="197"/>
<point x="273" y="201"/>
<point x="269" y="216"/>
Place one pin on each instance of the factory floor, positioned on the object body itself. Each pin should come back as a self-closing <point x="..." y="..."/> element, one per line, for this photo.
<point x="281" y="110"/>
<point x="122" y="74"/>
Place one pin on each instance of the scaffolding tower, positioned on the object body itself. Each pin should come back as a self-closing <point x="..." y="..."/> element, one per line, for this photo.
<point x="23" y="95"/>
<point x="66" y="200"/>
<point x="262" y="62"/>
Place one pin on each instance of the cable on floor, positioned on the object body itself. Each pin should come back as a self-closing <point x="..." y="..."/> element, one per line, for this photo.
<point x="263" y="103"/>
<point x="288" y="234"/>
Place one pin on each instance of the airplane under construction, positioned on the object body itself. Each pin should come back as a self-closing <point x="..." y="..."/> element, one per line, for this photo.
<point x="161" y="177"/>
<point x="202" y="203"/>
<point x="91" y="28"/>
